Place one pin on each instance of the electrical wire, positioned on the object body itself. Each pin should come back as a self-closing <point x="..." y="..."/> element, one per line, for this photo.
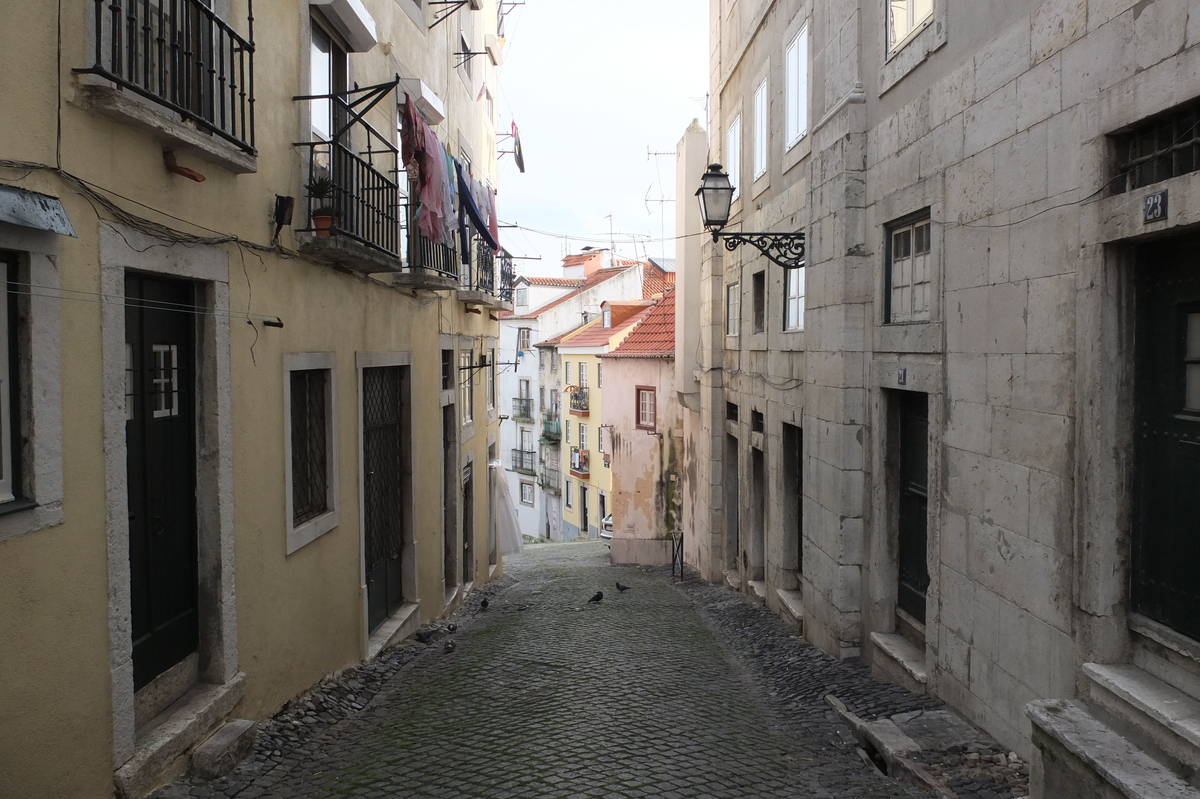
<point x="79" y="295"/>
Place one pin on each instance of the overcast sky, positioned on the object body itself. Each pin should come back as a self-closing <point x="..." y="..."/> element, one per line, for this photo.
<point x="592" y="86"/>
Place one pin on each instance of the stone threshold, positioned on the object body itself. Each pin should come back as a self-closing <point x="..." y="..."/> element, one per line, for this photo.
<point x="792" y="601"/>
<point x="163" y="744"/>
<point x="402" y="624"/>
<point x="758" y="589"/>
<point x="1064" y="732"/>
<point x="900" y="661"/>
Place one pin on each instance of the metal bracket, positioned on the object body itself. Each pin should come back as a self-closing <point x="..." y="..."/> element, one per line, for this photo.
<point x="445" y="13"/>
<point x="785" y="249"/>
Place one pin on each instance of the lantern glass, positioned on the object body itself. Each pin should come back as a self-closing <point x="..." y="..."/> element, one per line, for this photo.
<point x="716" y="196"/>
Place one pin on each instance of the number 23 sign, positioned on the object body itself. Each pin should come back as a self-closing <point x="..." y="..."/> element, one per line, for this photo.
<point x="1154" y="207"/>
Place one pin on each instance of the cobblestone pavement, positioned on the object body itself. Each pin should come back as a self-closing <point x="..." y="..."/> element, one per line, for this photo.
<point x="667" y="691"/>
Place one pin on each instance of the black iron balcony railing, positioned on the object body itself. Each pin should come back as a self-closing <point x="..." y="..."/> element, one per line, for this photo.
<point x="180" y="54"/>
<point x="522" y="461"/>
<point x="580" y="462"/>
<point x="508" y="275"/>
<point x="480" y="273"/>
<point x="551" y="428"/>
<point x="426" y="255"/>
<point x="522" y="408"/>
<point x="579" y="399"/>
<point x="361" y="164"/>
<point x="550" y="480"/>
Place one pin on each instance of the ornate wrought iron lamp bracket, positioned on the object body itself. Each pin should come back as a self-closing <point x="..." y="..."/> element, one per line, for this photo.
<point x="785" y="249"/>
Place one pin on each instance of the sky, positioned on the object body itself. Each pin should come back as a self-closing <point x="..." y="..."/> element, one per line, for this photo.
<point x="593" y="87"/>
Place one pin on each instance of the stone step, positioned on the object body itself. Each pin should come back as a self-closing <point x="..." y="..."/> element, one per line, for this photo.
<point x="900" y="661"/>
<point x="224" y="749"/>
<point x="793" y="605"/>
<point x="1154" y="715"/>
<point x="1084" y="758"/>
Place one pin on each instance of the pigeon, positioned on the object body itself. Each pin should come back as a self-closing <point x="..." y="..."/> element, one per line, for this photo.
<point x="483" y="605"/>
<point x="622" y="588"/>
<point x="450" y="646"/>
<point x="597" y="597"/>
<point x="452" y="627"/>
<point x="424" y="636"/>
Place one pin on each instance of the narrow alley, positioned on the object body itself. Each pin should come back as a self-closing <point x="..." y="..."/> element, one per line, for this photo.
<point x="663" y="690"/>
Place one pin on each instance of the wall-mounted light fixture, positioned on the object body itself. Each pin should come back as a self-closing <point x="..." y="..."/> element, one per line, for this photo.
<point x="716" y="197"/>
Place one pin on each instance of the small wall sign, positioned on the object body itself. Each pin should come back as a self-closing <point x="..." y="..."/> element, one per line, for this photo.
<point x="1154" y="207"/>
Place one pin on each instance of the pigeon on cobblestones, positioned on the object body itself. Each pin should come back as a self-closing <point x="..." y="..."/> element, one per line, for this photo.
<point x="452" y="627"/>
<point x="424" y="636"/>
<point x="483" y="605"/>
<point x="450" y="646"/>
<point x="597" y="596"/>
<point x="622" y="588"/>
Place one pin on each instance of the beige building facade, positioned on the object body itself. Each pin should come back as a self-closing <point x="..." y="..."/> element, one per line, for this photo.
<point x="213" y="411"/>
<point x="933" y="464"/>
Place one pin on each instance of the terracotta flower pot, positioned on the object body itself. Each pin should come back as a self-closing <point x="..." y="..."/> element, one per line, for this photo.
<point x="322" y="225"/>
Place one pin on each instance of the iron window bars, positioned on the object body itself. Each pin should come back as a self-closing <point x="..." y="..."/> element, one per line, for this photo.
<point x="1164" y="147"/>
<point x="522" y="461"/>
<point x="180" y="54"/>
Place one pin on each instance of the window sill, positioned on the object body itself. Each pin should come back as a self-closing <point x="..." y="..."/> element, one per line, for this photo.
<point x="311" y="530"/>
<point x="797" y="152"/>
<point x="910" y="54"/>
<point x="99" y="96"/>
<point x="26" y="516"/>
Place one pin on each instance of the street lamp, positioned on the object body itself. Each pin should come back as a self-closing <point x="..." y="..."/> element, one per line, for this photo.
<point x="716" y="197"/>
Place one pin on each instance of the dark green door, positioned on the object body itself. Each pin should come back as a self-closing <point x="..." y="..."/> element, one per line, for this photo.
<point x="1166" y="518"/>
<point x="913" y="474"/>
<point x="383" y="506"/>
<point x="160" y="440"/>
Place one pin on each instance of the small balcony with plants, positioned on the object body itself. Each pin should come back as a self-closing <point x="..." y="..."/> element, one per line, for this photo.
<point x="580" y="462"/>
<point x="177" y="70"/>
<point x="579" y="400"/>
<point x="523" y="461"/>
<point x="551" y="427"/>
<point x="353" y="213"/>
<point x="523" y="409"/>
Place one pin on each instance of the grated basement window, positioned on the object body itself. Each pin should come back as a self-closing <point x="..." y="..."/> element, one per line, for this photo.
<point x="310" y="459"/>
<point x="1165" y="146"/>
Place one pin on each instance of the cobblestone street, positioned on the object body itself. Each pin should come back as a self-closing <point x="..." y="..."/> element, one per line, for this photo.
<point x="659" y="691"/>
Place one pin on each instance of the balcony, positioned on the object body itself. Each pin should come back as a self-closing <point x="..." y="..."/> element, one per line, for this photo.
<point x="430" y="265"/>
<point x="550" y="480"/>
<point x="358" y="164"/>
<point x="177" y="70"/>
<point x="523" y="461"/>
<point x="579" y="400"/>
<point x="523" y="409"/>
<point x="479" y="279"/>
<point x="551" y="428"/>
<point x="579" y="462"/>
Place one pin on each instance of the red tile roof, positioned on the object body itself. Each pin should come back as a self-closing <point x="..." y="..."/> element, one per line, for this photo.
<point x="654" y="337"/>
<point x="553" y="282"/>
<point x="595" y="280"/>
<point x="656" y="283"/>
<point x="624" y="315"/>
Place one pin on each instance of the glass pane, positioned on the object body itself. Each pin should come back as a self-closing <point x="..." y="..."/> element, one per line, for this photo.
<point x="898" y="21"/>
<point x="921" y="234"/>
<point x="902" y="243"/>
<point x="1193" y="335"/>
<point x="1193" y="387"/>
<point x="921" y="10"/>
<point x="320" y="83"/>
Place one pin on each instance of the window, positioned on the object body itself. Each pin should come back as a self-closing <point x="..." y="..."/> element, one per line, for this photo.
<point x="795" y="76"/>
<point x="567" y="372"/>
<point x="542" y="356"/>
<point x="524" y="334"/>
<point x="327" y="76"/>
<point x="523" y="388"/>
<point x="645" y="407"/>
<point x="311" y="462"/>
<point x="447" y="370"/>
<point x="567" y="431"/>
<point x="759" y="286"/>
<point x="569" y="493"/>
<point x="760" y="130"/>
<point x="521" y="296"/>
<point x="10" y="410"/>
<point x="583" y="436"/>
<point x="491" y="381"/>
<point x="793" y="306"/>
<point x="1162" y="147"/>
<point x="599" y="375"/>
<point x="606" y="314"/>
<point x="583" y="374"/>
<point x="904" y="18"/>
<point x="733" y="309"/>
<point x="600" y="436"/>
<point x="733" y="152"/>
<point x="526" y="493"/>
<point x="466" y="386"/>
<point x="908" y="272"/>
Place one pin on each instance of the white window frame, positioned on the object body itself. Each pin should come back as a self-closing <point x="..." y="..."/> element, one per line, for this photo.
<point x="760" y="130"/>
<point x="583" y="374"/>
<point x="647" y="411"/>
<point x="568" y="493"/>
<point x="733" y="309"/>
<point x="793" y="302"/>
<point x="795" y="82"/>
<point x="567" y="372"/>
<point x="521" y="297"/>
<point x="466" y="386"/>
<point x="599" y="375"/>
<point x="309" y="531"/>
<point x="733" y="154"/>
<point x="912" y="24"/>
<point x="491" y="381"/>
<point x="524" y="335"/>
<point x="526" y="486"/>
<point x="910" y="275"/>
<point x="583" y="437"/>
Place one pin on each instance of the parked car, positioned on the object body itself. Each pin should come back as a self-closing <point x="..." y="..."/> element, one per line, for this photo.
<point x="606" y="528"/>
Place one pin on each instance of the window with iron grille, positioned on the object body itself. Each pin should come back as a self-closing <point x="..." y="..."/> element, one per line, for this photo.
<point x="908" y="271"/>
<point x="447" y="370"/>
<point x="1165" y="146"/>
<point x="312" y="444"/>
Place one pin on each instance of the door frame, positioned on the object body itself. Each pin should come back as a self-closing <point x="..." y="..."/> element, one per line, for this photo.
<point x="406" y="619"/>
<point x="123" y="249"/>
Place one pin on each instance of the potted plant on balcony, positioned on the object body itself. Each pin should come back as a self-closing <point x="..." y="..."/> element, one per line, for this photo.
<point x="324" y="216"/>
